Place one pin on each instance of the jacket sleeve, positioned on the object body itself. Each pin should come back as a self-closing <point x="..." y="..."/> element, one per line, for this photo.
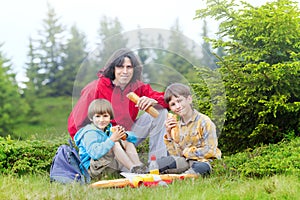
<point x="78" y="115"/>
<point x="97" y="145"/>
<point x="131" y="137"/>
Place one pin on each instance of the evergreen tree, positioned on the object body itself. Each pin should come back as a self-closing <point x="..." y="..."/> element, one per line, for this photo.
<point x="46" y="56"/>
<point x="143" y="51"/>
<point x="208" y="59"/>
<point x="179" y="58"/>
<point x="146" y="55"/>
<point x="34" y="83"/>
<point x="12" y="107"/>
<point x="110" y="39"/>
<point x="260" y="70"/>
<point x="32" y="86"/>
<point x="75" y="55"/>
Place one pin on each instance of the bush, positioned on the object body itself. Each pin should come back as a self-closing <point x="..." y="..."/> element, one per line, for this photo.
<point x="35" y="156"/>
<point x="31" y="157"/>
<point x="260" y="72"/>
<point x="281" y="158"/>
<point x="23" y="157"/>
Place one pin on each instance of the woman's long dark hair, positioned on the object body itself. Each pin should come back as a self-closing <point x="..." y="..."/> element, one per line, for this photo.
<point x="117" y="59"/>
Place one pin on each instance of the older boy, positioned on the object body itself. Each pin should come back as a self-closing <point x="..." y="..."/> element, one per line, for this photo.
<point x="198" y="141"/>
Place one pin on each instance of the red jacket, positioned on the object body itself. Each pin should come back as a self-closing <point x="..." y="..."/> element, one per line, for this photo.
<point x="124" y="110"/>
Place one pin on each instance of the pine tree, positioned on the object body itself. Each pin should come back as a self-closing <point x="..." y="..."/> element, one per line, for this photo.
<point x="208" y="58"/>
<point x="260" y="70"/>
<point x="12" y="107"/>
<point x="46" y="56"/>
<point x="74" y="59"/>
<point x="110" y="39"/>
<point x="179" y="58"/>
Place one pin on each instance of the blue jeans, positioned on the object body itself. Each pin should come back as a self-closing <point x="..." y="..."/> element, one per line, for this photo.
<point x="179" y="165"/>
<point x="201" y="167"/>
<point x="147" y="126"/>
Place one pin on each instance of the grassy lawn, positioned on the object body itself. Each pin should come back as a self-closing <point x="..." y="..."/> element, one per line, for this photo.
<point x="38" y="187"/>
<point x="220" y="185"/>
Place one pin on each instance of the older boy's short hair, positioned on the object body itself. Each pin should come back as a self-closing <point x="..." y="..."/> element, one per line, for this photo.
<point x="100" y="106"/>
<point x="176" y="90"/>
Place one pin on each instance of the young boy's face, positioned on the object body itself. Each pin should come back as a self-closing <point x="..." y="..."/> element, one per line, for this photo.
<point x="101" y="120"/>
<point x="180" y="105"/>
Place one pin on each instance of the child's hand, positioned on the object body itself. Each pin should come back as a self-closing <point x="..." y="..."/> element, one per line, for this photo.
<point x="118" y="132"/>
<point x="170" y="123"/>
<point x="172" y="127"/>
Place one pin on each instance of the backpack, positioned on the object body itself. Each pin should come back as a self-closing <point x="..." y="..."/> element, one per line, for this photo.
<point x="67" y="167"/>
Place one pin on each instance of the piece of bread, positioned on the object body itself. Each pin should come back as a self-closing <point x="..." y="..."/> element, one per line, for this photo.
<point x="175" y="135"/>
<point x="134" y="98"/>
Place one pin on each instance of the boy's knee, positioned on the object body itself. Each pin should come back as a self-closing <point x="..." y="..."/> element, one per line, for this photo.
<point x="181" y="163"/>
<point x="203" y="168"/>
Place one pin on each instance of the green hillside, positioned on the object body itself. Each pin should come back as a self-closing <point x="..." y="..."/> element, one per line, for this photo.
<point x="50" y="122"/>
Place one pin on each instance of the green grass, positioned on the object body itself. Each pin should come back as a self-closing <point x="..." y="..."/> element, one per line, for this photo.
<point x="222" y="187"/>
<point x="222" y="184"/>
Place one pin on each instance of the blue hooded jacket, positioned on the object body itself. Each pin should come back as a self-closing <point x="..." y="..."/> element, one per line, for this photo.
<point x="94" y="143"/>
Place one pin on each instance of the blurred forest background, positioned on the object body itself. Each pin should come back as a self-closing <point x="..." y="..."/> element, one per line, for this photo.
<point x="246" y="80"/>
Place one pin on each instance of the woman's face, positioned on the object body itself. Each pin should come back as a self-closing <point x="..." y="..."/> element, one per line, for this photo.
<point x="123" y="73"/>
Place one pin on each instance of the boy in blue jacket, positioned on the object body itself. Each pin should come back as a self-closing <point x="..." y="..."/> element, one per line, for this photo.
<point x="105" y="151"/>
